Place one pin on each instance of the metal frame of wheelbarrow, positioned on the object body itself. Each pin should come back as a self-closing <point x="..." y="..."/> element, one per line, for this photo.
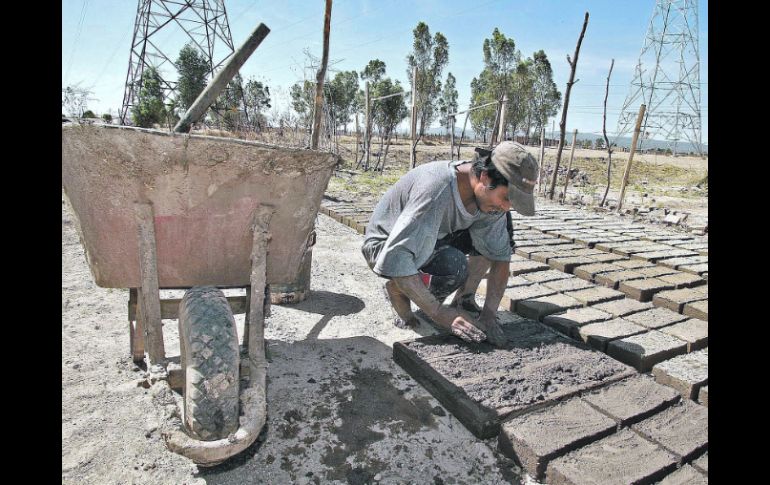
<point x="253" y="399"/>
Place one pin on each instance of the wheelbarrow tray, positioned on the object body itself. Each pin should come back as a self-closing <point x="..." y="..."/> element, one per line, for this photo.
<point x="203" y="191"/>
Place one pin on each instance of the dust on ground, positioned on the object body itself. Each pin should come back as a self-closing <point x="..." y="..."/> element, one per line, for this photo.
<point x="339" y="409"/>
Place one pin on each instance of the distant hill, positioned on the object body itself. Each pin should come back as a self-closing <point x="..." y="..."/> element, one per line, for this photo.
<point x="625" y="142"/>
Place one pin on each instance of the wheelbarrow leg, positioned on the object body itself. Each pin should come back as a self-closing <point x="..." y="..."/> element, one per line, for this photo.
<point x="148" y="308"/>
<point x="135" y="328"/>
<point x="256" y="293"/>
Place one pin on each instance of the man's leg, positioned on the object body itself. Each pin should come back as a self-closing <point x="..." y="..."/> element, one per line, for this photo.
<point x="402" y="306"/>
<point x="465" y="298"/>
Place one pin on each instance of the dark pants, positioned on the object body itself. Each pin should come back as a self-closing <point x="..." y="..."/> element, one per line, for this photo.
<point x="447" y="268"/>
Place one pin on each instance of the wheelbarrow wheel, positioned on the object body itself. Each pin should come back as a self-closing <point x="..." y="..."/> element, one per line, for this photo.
<point x="210" y="362"/>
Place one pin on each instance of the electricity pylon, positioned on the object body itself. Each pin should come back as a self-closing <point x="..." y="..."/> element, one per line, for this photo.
<point x="667" y="78"/>
<point x="201" y="22"/>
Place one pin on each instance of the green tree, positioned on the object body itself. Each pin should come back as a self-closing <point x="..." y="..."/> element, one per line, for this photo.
<point x="342" y="97"/>
<point x="447" y="103"/>
<point x="193" y="69"/>
<point x="149" y="108"/>
<point x="374" y="71"/>
<point x="430" y="55"/>
<point x="256" y="97"/>
<point x="500" y="59"/>
<point x="302" y="102"/>
<point x="89" y="114"/>
<point x="107" y="118"/>
<point x="387" y="113"/>
<point x="546" y="99"/>
<point x="519" y="94"/>
<point x="482" y="93"/>
<point x="599" y="143"/>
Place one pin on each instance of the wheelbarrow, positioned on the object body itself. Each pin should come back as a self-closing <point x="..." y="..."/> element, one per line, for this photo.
<point x="160" y="210"/>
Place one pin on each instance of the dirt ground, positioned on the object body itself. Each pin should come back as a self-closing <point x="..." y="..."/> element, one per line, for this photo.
<point x="339" y="409"/>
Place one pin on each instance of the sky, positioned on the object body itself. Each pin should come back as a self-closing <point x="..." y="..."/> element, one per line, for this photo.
<point x="97" y="34"/>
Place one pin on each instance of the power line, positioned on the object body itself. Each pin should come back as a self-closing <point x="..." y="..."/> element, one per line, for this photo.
<point x="77" y="38"/>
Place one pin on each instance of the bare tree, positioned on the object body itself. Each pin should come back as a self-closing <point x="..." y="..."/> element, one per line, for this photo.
<point x="563" y="123"/>
<point x="606" y="140"/>
<point x="319" y="89"/>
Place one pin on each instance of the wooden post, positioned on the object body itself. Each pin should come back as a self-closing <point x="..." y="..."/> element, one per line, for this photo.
<point x="258" y="280"/>
<point x="149" y="293"/>
<point x="542" y="156"/>
<point x="452" y="140"/>
<point x="246" y="318"/>
<point x="357" y="139"/>
<point x="136" y="330"/>
<point x="569" y="165"/>
<point x="631" y="156"/>
<point x="501" y="135"/>
<point x="367" y="126"/>
<point x="319" y="79"/>
<point x="413" y="152"/>
<point x="462" y="134"/>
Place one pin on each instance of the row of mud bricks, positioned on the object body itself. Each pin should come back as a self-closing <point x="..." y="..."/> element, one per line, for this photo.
<point x="620" y="289"/>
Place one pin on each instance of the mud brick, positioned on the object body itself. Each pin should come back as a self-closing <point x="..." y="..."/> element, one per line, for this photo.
<point x="677" y="243"/>
<point x="537" y="308"/>
<point x="685" y="373"/>
<point x="655" y="271"/>
<point x="613" y="278"/>
<point x="513" y="281"/>
<point x="703" y="290"/>
<point x="599" y="334"/>
<point x="675" y="300"/>
<point x="687" y="475"/>
<point x="529" y="251"/>
<point x="633" y="264"/>
<point x="536" y="438"/>
<point x="633" y="399"/>
<point x="545" y="276"/>
<point x="589" y="271"/>
<point x="693" y="331"/>
<point x="526" y="266"/>
<point x="567" y="322"/>
<point x="568" y="284"/>
<point x="513" y="295"/>
<point x="697" y="309"/>
<point x="483" y="385"/>
<point x="639" y="248"/>
<point x="621" y="458"/>
<point x="643" y="290"/>
<point x="597" y="294"/>
<point x="668" y="253"/>
<point x="569" y="263"/>
<point x="555" y="252"/>
<point x="624" y="307"/>
<point x="676" y="262"/>
<point x="681" y="429"/>
<point x="527" y="243"/>
<point x="694" y="268"/>
<point x="656" y="318"/>
<point x="683" y="280"/>
<point x="703" y="396"/>
<point x="645" y="350"/>
<point x="609" y="246"/>
<point x="607" y="257"/>
<point x="693" y="246"/>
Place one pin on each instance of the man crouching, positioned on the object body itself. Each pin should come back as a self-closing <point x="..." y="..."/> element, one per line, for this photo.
<point x="437" y="214"/>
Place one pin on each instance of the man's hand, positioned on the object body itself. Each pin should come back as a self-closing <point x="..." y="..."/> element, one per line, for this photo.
<point x="459" y="325"/>
<point x="494" y="332"/>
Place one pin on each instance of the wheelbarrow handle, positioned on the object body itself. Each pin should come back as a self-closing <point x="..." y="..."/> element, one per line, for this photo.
<point x="207" y="97"/>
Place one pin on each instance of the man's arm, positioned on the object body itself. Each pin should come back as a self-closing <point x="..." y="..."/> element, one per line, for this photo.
<point x="496" y="281"/>
<point x="448" y="318"/>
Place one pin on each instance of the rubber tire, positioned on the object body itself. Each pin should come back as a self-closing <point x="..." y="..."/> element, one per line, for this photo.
<point x="211" y="362"/>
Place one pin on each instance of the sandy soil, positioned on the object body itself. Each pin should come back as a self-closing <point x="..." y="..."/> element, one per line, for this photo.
<point x="339" y="409"/>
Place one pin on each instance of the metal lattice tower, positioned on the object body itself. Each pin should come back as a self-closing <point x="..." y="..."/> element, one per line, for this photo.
<point x="667" y="78"/>
<point x="202" y="22"/>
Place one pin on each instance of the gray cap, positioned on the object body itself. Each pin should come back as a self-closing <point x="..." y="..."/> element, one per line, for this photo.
<point x="520" y="168"/>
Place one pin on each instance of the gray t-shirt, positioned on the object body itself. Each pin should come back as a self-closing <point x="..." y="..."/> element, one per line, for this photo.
<point x="421" y="208"/>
